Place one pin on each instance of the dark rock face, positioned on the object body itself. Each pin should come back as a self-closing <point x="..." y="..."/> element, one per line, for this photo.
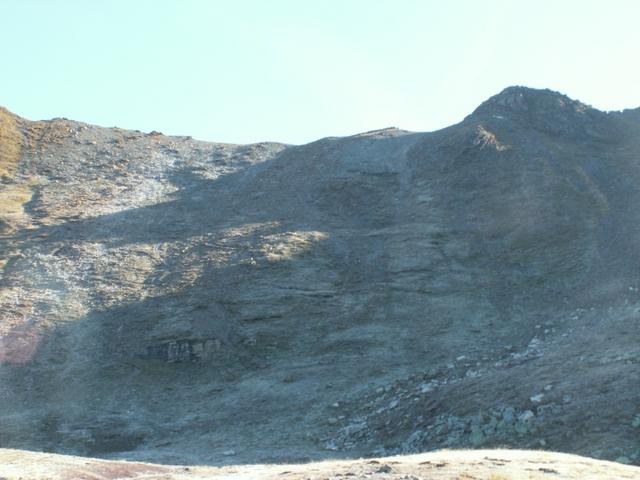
<point x="172" y="300"/>
<point x="183" y="350"/>
<point x="549" y="112"/>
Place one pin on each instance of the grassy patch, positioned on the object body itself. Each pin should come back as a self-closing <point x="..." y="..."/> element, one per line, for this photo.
<point x="12" y="200"/>
<point x="10" y="144"/>
<point x="12" y="217"/>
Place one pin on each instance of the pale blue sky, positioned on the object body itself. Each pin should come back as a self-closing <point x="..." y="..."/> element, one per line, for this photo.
<point x="295" y="71"/>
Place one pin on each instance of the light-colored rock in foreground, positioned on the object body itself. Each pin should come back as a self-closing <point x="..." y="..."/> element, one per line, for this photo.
<point x="445" y="464"/>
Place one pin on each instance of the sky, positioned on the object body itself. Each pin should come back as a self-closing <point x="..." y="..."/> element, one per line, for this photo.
<point x="295" y="71"/>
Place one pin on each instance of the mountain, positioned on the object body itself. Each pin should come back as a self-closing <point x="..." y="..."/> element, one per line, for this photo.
<point x="170" y="300"/>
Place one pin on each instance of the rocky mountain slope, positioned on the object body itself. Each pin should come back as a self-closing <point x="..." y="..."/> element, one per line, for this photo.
<point x="170" y="300"/>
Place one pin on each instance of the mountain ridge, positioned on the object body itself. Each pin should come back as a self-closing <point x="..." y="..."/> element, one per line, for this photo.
<point x="505" y="100"/>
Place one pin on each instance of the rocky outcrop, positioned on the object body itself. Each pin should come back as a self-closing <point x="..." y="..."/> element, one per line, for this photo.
<point x="184" y="350"/>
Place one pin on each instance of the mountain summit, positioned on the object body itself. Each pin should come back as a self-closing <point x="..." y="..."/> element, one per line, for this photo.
<point x="551" y="112"/>
<point x="524" y="99"/>
<point x="171" y="300"/>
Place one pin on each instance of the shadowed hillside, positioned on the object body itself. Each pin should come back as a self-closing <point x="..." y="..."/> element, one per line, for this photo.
<point x="170" y="300"/>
